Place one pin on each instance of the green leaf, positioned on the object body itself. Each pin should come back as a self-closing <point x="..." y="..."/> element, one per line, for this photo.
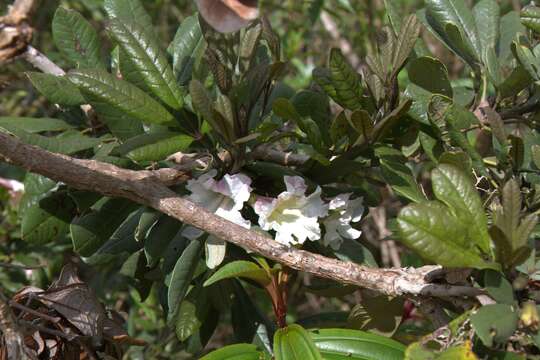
<point x="431" y="75"/>
<point x="343" y="344"/>
<point x="285" y="109"/>
<point x="242" y="269"/>
<point x="355" y="252"/>
<point x="90" y="231"/>
<point x="160" y="149"/>
<point x="345" y="80"/>
<point x="440" y="13"/>
<point x="203" y="104"/>
<point x="398" y="175"/>
<point x="188" y="322"/>
<point x="454" y="188"/>
<point x="186" y="49"/>
<point x="236" y="352"/>
<point x="76" y="39"/>
<point x="498" y="287"/>
<point x="159" y="237"/>
<point x="487" y="19"/>
<point x="294" y="343"/>
<point x="530" y="17"/>
<point x="34" y="125"/>
<point x="101" y="88"/>
<point x="510" y="27"/>
<point x="410" y="30"/>
<point x="495" y="323"/>
<point x="69" y="142"/>
<point x="48" y="220"/>
<point x="379" y="314"/>
<point x="435" y="234"/>
<point x="181" y="278"/>
<point x="143" y="63"/>
<point x="57" y="89"/>
<point x="129" y="10"/>
<point x="121" y="242"/>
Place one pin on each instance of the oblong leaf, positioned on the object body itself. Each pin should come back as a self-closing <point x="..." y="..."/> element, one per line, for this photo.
<point x="186" y="49"/>
<point x="100" y="87"/>
<point x="160" y="149"/>
<point x="181" y="278"/>
<point x="34" y="125"/>
<point x="76" y="39"/>
<point x="143" y="63"/>
<point x="346" y="81"/>
<point x="487" y="19"/>
<point x="342" y="344"/>
<point x="242" y="269"/>
<point x="131" y="10"/>
<point x="57" y="89"/>
<point x="294" y="343"/>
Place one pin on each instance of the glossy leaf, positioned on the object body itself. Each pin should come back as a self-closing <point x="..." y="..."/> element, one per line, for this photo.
<point x="129" y="10"/>
<point x="76" y="39"/>
<point x="143" y="63"/>
<point x="454" y="188"/>
<point x="294" y="343"/>
<point x="342" y="344"/>
<point x="235" y="352"/>
<point x="487" y="19"/>
<point x="57" y="89"/>
<point x="160" y="149"/>
<point x="181" y="278"/>
<point x="435" y="234"/>
<point x="186" y="48"/>
<point x="241" y="269"/>
<point x="101" y="88"/>
<point x="439" y="13"/>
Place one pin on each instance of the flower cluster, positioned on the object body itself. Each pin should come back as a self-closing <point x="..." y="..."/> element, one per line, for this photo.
<point x="293" y="215"/>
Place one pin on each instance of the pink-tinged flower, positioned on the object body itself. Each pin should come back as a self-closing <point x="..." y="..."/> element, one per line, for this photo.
<point x="293" y="215"/>
<point x="343" y="212"/>
<point x="225" y="198"/>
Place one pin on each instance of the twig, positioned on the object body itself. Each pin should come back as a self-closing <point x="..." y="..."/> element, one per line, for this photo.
<point x="143" y="187"/>
<point x="266" y="152"/>
<point x="41" y="62"/>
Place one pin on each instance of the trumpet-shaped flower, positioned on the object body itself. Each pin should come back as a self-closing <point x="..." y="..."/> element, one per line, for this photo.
<point x="293" y="215"/>
<point x="225" y="198"/>
<point x="343" y="212"/>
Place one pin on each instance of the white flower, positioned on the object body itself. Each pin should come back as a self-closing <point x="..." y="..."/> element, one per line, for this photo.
<point x="343" y="211"/>
<point x="225" y="198"/>
<point x="292" y="215"/>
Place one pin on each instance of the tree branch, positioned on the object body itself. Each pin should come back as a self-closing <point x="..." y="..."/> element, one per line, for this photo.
<point x="145" y="188"/>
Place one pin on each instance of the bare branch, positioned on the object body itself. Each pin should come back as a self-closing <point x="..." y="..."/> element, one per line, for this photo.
<point x="145" y="188"/>
<point x="41" y="62"/>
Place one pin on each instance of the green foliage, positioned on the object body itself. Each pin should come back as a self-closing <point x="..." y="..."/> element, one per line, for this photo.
<point x="442" y="147"/>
